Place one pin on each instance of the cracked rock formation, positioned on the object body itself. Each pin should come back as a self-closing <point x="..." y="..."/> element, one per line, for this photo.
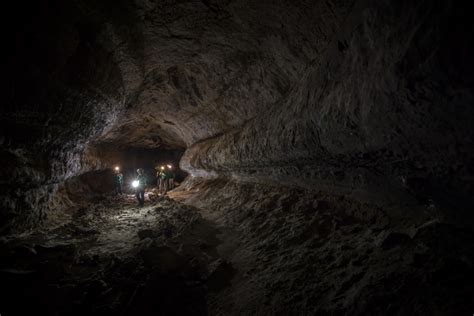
<point x="329" y="142"/>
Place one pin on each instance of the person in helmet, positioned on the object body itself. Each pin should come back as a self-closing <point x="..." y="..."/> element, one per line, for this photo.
<point x="161" y="175"/>
<point x="118" y="180"/>
<point x="140" y="186"/>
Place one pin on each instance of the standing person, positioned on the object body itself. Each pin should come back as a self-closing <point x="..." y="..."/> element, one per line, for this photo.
<point x="158" y="177"/>
<point x="162" y="180"/>
<point x="118" y="179"/>
<point x="170" y="175"/>
<point x="139" y="185"/>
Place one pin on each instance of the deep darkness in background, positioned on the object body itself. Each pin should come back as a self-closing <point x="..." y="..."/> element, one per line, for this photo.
<point x="327" y="147"/>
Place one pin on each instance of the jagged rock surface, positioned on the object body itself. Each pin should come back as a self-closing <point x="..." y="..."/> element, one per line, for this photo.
<point x="307" y="252"/>
<point x="369" y="117"/>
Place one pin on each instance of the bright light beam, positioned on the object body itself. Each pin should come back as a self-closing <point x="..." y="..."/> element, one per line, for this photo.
<point x="135" y="183"/>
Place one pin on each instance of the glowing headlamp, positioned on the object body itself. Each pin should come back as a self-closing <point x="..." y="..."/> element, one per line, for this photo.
<point x="135" y="183"/>
<point x="169" y="166"/>
<point x="117" y="168"/>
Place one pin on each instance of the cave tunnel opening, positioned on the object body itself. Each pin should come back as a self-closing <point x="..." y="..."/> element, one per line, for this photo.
<point x="323" y="151"/>
<point x="129" y="159"/>
<point x="116" y="159"/>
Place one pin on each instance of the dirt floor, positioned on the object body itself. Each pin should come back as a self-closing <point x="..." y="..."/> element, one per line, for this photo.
<point x="222" y="248"/>
<point x="115" y="258"/>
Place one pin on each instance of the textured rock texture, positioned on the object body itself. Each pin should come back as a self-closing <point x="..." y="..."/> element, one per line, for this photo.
<point x="298" y="251"/>
<point x="144" y="74"/>
<point x="384" y="111"/>
<point x="113" y="258"/>
<point x="363" y="97"/>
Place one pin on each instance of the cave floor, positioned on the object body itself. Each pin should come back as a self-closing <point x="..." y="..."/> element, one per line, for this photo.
<point x="115" y="256"/>
<point x="203" y="251"/>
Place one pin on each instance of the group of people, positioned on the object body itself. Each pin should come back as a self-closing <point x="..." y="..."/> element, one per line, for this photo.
<point x="165" y="180"/>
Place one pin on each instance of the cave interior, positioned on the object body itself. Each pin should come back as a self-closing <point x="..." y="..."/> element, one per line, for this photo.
<point x="323" y="151"/>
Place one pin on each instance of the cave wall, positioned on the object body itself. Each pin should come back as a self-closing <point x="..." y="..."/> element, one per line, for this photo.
<point x="61" y="90"/>
<point x="384" y="114"/>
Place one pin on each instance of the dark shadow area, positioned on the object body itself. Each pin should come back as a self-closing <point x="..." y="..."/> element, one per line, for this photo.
<point x="113" y="259"/>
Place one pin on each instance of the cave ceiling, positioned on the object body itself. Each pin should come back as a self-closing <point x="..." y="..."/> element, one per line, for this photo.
<point x="184" y="71"/>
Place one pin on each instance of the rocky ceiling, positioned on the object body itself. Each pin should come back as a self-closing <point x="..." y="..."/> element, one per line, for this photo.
<point x="168" y="73"/>
<point x="194" y="69"/>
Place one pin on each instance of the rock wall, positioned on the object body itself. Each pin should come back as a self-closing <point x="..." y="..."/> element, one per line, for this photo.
<point x="61" y="91"/>
<point x="384" y="113"/>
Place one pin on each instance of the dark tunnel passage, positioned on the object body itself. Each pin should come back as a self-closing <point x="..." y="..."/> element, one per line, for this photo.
<point x="320" y="158"/>
<point x="129" y="159"/>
